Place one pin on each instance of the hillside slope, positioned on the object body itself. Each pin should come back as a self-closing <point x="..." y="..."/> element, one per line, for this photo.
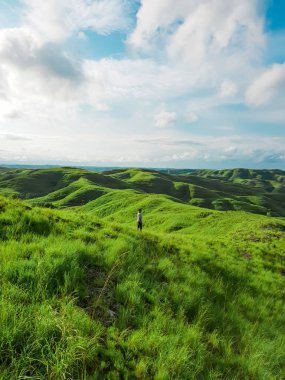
<point x="84" y="297"/>
<point x="208" y="192"/>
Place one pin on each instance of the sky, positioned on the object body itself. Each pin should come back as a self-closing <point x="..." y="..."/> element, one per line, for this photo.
<point x="149" y="83"/>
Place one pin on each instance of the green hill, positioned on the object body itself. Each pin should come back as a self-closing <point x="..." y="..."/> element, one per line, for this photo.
<point x="259" y="192"/>
<point x="268" y="180"/>
<point x="197" y="295"/>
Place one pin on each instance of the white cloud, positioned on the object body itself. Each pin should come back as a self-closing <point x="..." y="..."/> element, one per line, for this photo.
<point x="29" y="60"/>
<point x="164" y="119"/>
<point x="197" y="57"/>
<point x="210" y="39"/>
<point x="55" y="20"/>
<point x="38" y="77"/>
<point x="216" y="29"/>
<point x="194" y="30"/>
<point x="268" y="87"/>
<point x="19" y="48"/>
<point x="138" y="78"/>
<point x="34" y="74"/>
<point x="228" y="89"/>
<point x="228" y="149"/>
<point x="151" y="17"/>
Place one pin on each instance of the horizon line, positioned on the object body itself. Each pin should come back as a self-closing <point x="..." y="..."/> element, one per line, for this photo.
<point x="83" y="166"/>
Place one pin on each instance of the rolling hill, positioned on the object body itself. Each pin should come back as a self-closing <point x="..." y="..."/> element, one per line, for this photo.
<point x="258" y="192"/>
<point x="198" y="294"/>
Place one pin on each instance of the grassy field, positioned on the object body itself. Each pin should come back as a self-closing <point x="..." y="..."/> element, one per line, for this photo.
<point x="199" y="294"/>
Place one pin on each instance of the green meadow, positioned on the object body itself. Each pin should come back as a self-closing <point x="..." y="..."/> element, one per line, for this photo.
<point x="198" y="294"/>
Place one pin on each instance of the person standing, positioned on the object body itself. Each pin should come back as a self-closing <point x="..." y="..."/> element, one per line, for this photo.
<point x="139" y="219"/>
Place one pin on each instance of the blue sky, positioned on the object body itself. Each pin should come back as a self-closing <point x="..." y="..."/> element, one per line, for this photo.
<point x="275" y="15"/>
<point x="170" y="83"/>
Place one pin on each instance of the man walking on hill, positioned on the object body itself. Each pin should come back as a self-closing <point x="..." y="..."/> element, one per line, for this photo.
<point x="139" y="219"/>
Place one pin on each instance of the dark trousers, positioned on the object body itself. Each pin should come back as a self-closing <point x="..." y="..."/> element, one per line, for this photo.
<point x="139" y="225"/>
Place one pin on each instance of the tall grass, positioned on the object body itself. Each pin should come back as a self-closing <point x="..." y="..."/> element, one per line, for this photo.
<point x="83" y="298"/>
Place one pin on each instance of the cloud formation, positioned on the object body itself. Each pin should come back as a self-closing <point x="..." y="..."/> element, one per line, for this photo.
<point x="164" y="119"/>
<point x="190" y="68"/>
<point x="268" y="87"/>
<point x="55" y="20"/>
<point x="205" y="33"/>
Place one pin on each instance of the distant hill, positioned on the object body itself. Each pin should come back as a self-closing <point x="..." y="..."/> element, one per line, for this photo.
<point x="269" y="180"/>
<point x="256" y="191"/>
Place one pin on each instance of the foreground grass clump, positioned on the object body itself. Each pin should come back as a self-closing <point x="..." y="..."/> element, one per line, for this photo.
<point x="86" y="298"/>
